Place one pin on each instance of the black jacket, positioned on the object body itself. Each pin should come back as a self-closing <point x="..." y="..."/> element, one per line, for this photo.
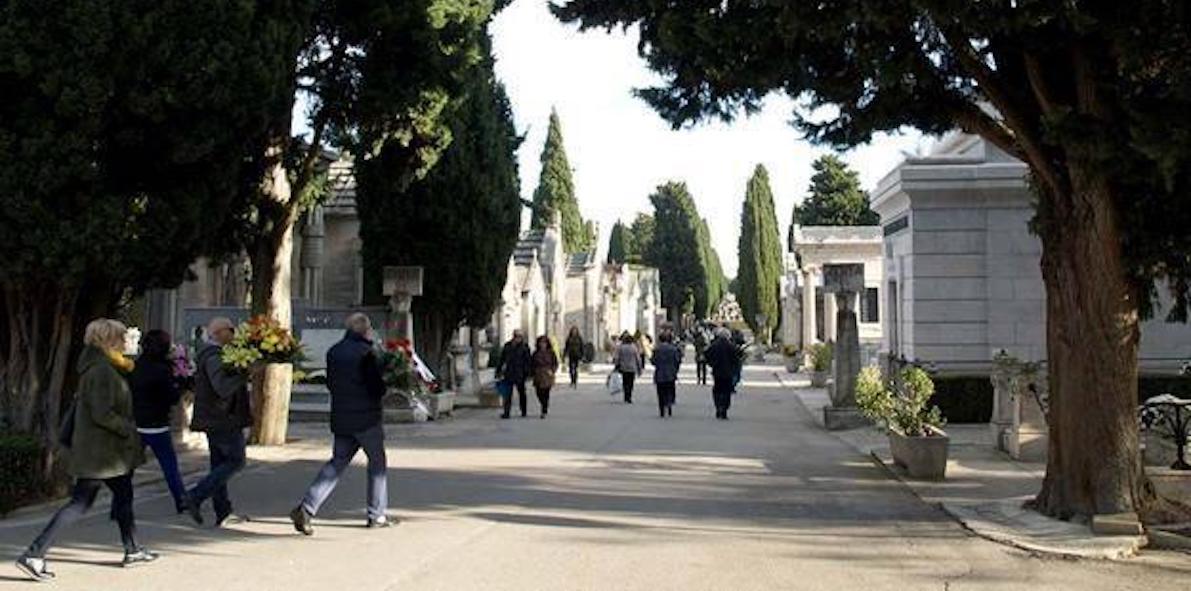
<point x="220" y="394"/>
<point x="574" y="348"/>
<point x="357" y="385"/>
<point x="516" y="362"/>
<point x="724" y="359"/>
<point x="154" y="392"/>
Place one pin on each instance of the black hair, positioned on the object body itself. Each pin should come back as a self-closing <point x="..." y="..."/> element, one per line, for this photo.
<point x="156" y="344"/>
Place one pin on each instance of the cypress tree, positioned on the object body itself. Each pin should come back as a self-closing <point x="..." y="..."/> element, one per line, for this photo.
<point x="760" y="255"/>
<point x="556" y="193"/>
<point x="835" y="197"/>
<point x="641" y="240"/>
<point x="619" y="245"/>
<point x="459" y="223"/>
<point x="681" y="250"/>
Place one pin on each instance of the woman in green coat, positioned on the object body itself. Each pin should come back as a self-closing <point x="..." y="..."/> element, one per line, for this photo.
<point x="105" y="447"/>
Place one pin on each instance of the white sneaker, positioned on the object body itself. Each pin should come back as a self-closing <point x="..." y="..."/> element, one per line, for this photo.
<point x="35" y="568"/>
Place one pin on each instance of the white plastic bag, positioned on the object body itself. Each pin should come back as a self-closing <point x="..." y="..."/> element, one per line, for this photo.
<point x="615" y="383"/>
<point x="421" y="412"/>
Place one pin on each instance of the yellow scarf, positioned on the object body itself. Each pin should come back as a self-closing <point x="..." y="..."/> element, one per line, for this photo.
<point x="119" y="361"/>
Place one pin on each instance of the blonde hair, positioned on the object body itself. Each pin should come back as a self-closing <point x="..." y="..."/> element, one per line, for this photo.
<point x="105" y="333"/>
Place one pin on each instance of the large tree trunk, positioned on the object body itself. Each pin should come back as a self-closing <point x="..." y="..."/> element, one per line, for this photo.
<point x="271" y="271"/>
<point x="1094" y="464"/>
<point x="38" y="345"/>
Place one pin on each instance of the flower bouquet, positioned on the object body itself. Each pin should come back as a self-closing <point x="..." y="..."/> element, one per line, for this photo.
<point x="261" y="340"/>
<point x="406" y="375"/>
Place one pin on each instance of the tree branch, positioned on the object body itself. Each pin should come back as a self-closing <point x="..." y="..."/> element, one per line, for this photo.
<point x="1043" y="93"/>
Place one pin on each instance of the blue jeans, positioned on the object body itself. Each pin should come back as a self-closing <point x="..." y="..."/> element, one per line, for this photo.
<point x="344" y="449"/>
<point x="227" y="457"/>
<point x="162" y="445"/>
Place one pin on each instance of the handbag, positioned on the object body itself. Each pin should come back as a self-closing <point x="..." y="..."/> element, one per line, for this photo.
<point x="66" y="429"/>
<point x="504" y="388"/>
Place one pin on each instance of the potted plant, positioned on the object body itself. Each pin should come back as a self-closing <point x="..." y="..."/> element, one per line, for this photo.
<point x="916" y="437"/>
<point x="821" y="354"/>
<point x="793" y="358"/>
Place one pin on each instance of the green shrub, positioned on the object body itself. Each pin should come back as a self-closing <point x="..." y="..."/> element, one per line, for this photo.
<point x="20" y="471"/>
<point x="900" y="405"/>
<point x="964" y="399"/>
<point x="821" y="354"/>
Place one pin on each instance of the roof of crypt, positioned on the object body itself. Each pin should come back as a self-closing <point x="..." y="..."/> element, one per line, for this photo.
<point x="580" y="262"/>
<point x="529" y="246"/>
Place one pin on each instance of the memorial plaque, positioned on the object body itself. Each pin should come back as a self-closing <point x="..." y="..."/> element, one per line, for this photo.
<point x="843" y="278"/>
<point x="403" y="280"/>
<point x="316" y="342"/>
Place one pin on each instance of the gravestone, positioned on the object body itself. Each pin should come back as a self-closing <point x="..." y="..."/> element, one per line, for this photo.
<point x="402" y="284"/>
<point x="316" y="342"/>
<point x="844" y="282"/>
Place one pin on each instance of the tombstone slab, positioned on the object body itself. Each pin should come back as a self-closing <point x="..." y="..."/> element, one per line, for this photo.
<point x="845" y="282"/>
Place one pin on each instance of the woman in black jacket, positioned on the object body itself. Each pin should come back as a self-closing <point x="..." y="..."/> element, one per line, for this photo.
<point x="155" y="391"/>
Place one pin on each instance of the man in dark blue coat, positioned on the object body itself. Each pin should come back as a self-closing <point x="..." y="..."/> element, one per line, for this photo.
<point x="724" y="359"/>
<point x="357" y="421"/>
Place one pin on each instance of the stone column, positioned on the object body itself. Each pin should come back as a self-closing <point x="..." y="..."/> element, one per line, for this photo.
<point x="402" y="284"/>
<point x="844" y="282"/>
<point x="808" y="308"/>
<point x="312" y="258"/>
<point x="1003" y="374"/>
<point x="830" y="311"/>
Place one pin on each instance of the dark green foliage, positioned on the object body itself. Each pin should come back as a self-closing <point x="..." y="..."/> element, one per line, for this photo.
<point x="460" y="222"/>
<point x="1102" y="87"/>
<point x="21" y="482"/>
<point x="131" y="135"/>
<point x="641" y="240"/>
<point x="556" y="194"/>
<point x="835" y="197"/>
<point x="689" y="268"/>
<point x="1149" y="386"/>
<point x="760" y="255"/>
<point x="618" y="244"/>
<point x="964" y="399"/>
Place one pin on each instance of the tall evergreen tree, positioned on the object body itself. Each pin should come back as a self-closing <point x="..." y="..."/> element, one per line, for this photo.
<point x="619" y="249"/>
<point x="834" y="198"/>
<point x="127" y="136"/>
<point x="459" y="223"/>
<point x="715" y="282"/>
<point x="760" y="255"/>
<point x="641" y="240"/>
<point x="556" y="193"/>
<point x="1092" y="96"/>
<point x="682" y="252"/>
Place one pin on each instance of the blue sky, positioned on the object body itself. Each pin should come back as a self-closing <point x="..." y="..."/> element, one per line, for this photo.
<point x="620" y="149"/>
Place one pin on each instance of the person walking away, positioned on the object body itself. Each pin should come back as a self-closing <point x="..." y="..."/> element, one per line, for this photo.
<point x="104" y="448"/>
<point x="221" y="412"/>
<point x="724" y="360"/>
<point x="667" y="358"/>
<point x="627" y="361"/>
<point x="545" y="364"/>
<point x="357" y="386"/>
<point x="701" y="341"/>
<point x="514" y="367"/>
<point x="155" y="391"/>
<point x="573" y="350"/>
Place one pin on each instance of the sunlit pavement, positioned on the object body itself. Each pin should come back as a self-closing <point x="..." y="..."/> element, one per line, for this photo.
<point x="601" y="495"/>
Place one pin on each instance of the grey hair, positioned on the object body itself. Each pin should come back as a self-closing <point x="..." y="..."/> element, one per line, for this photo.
<point x="723" y="333"/>
<point x="219" y="322"/>
<point x="358" y="323"/>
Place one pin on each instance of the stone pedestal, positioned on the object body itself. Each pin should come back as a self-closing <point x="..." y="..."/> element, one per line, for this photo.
<point x="843" y="419"/>
<point x="1019" y="419"/>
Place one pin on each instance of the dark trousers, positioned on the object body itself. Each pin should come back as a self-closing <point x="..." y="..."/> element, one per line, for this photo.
<point x="573" y="366"/>
<point x="227" y="458"/>
<point x="627" y="379"/>
<point x="543" y="399"/>
<point x="162" y="445"/>
<point x="701" y="371"/>
<point x="666" y="394"/>
<point x="508" y="400"/>
<point x="721" y="393"/>
<point x="82" y="497"/>
<point x="343" y="450"/>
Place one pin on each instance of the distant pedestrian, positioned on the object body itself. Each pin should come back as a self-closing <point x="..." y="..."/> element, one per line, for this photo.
<point x="701" y="341"/>
<point x="627" y="361"/>
<point x="104" y="447"/>
<point x="667" y="358"/>
<point x="514" y="367"/>
<point x="155" y="391"/>
<point x="574" y="352"/>
<point x="221" y="411"/>
<point x="357" y="421"/>
<point x="545" y="365"/>
<point x="644" y="347"/>
<point x="724" y="359"/>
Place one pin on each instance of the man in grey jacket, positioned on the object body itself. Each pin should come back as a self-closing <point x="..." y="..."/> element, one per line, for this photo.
<point x="667" y="358"/>
<point x="221" y="411"/>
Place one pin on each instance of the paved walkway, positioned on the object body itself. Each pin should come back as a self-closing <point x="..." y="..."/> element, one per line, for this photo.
<point x="601" y="496"/>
